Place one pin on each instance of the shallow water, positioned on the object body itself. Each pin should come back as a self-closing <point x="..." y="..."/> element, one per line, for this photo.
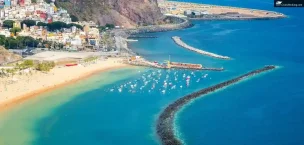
<point x="263" y="110"/>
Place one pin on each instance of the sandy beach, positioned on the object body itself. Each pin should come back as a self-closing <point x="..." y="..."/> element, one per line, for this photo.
<point x="180" y="7"/>
<point x="28" y="86"/>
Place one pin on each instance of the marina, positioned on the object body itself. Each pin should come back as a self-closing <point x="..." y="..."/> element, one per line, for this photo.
<point x="168" y="65"/>
<point x="179" y="42"/>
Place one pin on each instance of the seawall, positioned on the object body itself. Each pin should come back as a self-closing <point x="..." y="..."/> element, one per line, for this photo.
<point x="236" y="19"/>
<point x="165" y="121"/>
<point x="179" y="23"/>
<point x="179" y="42"/>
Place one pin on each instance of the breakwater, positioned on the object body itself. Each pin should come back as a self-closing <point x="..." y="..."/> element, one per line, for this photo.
<point x="179" y="23"/>
<point x="140" y="36"/>
<point x="179" y="42"/>
<point x="176" y="65"/>
<point x="165" y="121"/>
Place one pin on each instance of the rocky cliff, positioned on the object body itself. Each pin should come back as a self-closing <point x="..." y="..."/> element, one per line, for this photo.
<point x="127" y="13"/>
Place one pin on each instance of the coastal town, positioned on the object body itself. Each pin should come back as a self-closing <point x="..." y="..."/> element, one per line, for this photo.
<point x="41" y="40"/>
<point x="149" y="72"/>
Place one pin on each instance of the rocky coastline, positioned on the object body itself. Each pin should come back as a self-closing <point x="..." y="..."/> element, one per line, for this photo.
<point x="180" y="23"/>
<point x="165" y="129"/>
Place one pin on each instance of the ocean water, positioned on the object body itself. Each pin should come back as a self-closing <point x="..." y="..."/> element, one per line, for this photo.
<point x="122" y="107"/>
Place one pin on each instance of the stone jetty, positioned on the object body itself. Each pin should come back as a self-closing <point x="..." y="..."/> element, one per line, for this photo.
<point x="165" y="121"/>
<point x="141" y="36"/>
<point x="175" y="65"/>
<point x="179" y="42"/>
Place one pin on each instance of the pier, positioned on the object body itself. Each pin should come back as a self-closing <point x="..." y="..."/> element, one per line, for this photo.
<point x="179" y="42"/>
<point x="165" y="128"/>
<point x="176" y="65"/>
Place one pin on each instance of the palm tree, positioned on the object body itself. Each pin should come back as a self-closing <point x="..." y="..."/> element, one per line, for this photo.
<point x="107" y="41"/>
<point x="2" y="72"/>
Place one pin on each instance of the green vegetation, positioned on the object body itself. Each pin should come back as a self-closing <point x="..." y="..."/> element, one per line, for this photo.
<point x="8" y="23"/>
<point x="106" y="27"/>
<point x="28" y="23"/>
<point x="74" y="18"/>
<point x="18" y="42"/>
<point x="76" y="25"/>
<point x="107" y="40"/>
<point x="91" y="59"/>
<point x="41" y="24"/>
<point x="58" y="25"/>
<point x="45" y="66"/>
<point x="110" y="26"/>
<point x="15" y="30"/>
<point x="27" y="64"/>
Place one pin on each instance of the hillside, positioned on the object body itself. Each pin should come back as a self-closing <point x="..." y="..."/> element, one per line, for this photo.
<point x="127" y="13"/>
<point x="6" y="56"/>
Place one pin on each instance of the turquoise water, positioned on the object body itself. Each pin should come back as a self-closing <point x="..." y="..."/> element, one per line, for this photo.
<point x="264" y="110"/>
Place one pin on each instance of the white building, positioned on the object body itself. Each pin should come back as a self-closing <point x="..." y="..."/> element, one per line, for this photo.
<point x="27" y="2"/>
<point x="76" y="41"/>
<point x="50" y="10"/>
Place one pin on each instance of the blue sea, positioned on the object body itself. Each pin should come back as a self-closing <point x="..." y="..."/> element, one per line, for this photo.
<point x="121" y="107"/>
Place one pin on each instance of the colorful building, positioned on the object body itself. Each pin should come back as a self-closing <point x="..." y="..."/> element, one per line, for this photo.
<point x="2" y="3"/>
<point x="21" y="2"/>
<point x="7" y="3"/>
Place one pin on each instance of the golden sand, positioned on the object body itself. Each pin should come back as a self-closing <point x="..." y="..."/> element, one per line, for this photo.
<point x="28" y="86"/>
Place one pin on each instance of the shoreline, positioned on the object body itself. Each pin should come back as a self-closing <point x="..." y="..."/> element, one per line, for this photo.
<point x="180" y="23"/>
<point x="237" y="19"/>
<point x="16" y="99"/>
<point x="217" y="10"/>
<point x="165" y="123"/>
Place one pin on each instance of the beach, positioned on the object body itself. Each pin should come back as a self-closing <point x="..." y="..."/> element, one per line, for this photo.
<point x="27" y="86"/>
<point x="178" y="8"/>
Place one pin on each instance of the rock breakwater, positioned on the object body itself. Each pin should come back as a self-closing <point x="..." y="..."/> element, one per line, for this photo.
<point x="165" y="123"/>
<point x="179" y="42"/>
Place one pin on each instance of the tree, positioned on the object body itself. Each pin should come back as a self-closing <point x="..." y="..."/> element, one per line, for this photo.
<point x="57" y="25"/>
<point x="107" y="40"/>
<point x="8" y="23"/>
<point x="2" y="39"/>
<point x="11" y="43"/>
<point x="102" y="28"/>
<point x="15" y="30"/>
<point x="110" y="26"/>
<point x="41" y="24"/>
<point x="74" y="18"/>
<point x="28" y="23"/>
<point x="76" y="25"/>
<point x="34" y="1"/>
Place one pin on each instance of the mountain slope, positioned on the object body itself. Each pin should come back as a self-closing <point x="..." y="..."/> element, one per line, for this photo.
<point x="127" y="13"/>
<point x="6" y="56"/>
